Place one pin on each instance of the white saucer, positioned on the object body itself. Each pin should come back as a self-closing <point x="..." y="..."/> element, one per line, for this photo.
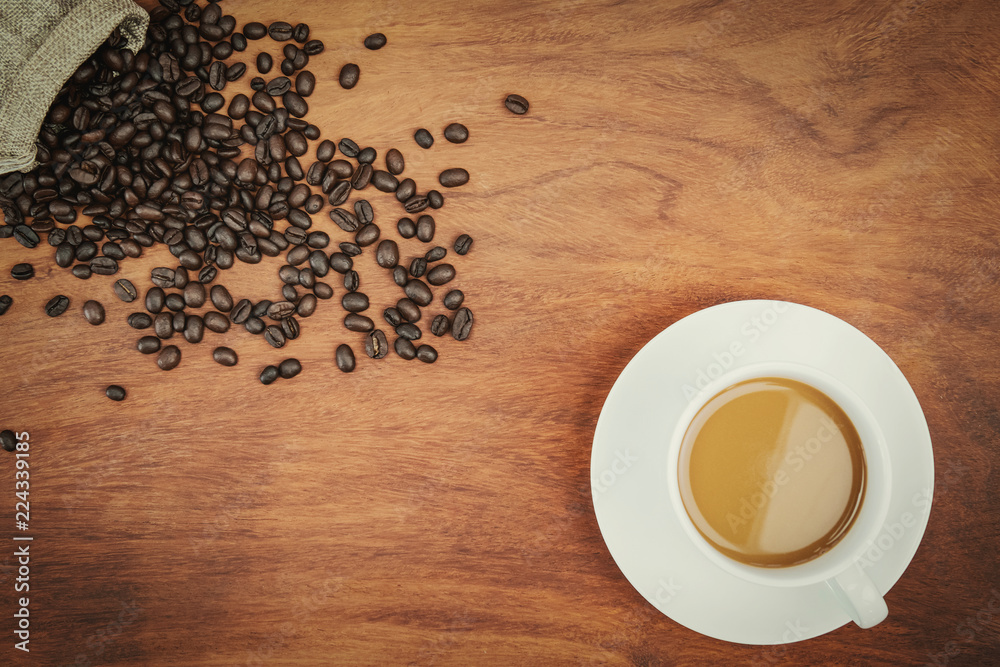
<point x="628" y="466"/>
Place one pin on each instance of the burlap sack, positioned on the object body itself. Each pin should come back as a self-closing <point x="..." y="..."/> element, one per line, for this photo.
<point x="42" y="42"/>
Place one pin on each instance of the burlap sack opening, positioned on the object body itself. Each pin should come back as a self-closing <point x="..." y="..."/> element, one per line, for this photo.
<point x="42" y="42"/>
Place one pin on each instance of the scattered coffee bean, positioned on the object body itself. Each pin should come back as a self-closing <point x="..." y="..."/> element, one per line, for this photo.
<point x="408" y="310"/>
<point x="441" y="274"/>
<point x="404" y="349"/>
<point x="435" y="199"/>
<point x="440" y="325"/>
<point x="463" y="244"/>
<point x="140" y="321"/>
<point x="418" y="266"/>
<point x="93" y="312"/>
<point x="264" y="62"/>
<point x="280" y="31"/>
<point x="435" y="254"/>
<point x="289" y="368"/>
<point x="349" y="75"/>
<point x="376" y="345"/>
<point x="423" y="138"/>
<point x="425" y="228"/>
<point x="8" y="440"/>
<point x="356" y="322"/>
<point x="57" y="305"/>
<point x="345" y="358"/>
<point x="408" y="331"/>
<point x="453" y="299"/>
<point x="216" y="321"/>
<point x="462" y="325"/>
<point x="406" y="228"/>
<point x="221" y="298"/>
<point x="387" y="254"/>
<point x="269" y="374"/>
<point x="354" y="302"/>
<point x="394" y="162"/>
<point x="400" y="276"/>
<point x="125" y="290"/>
<point x="23" y="271"/>
<point x="169" y="358"/>
<point x="5" y="303"/>
<point x="148" y="345"/>
<point x="274" y="336"/>
<point x="375" y="41"/>
<point x="456" y="133"/>
<point x="452" y="178"/>
<point x="516" y="104"/>
<point x="427" y="354"/>
<point x="115" y="392"/>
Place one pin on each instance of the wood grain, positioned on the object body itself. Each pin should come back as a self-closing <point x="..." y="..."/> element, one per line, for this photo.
<point x="677" y="155"/>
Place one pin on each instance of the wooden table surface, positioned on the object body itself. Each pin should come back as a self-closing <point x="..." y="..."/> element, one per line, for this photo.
<point x="676" y="155"/>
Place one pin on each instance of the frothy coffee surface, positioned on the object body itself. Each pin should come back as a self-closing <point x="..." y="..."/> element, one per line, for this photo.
<point x="772" y="472"/>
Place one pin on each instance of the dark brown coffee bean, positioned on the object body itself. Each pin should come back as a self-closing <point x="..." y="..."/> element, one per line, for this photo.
<point x="163" y="325"/>
<point x="148" y="345"/>
<point x="367" y="155"/>
<point x="254" y="325"/>
<point x="394" y="162"/>
<point x="140" y="321"/>
<point x="264" y="62"/>
<point x="418" y="291"/>
<point x="367" y="235"/>
<point x="516" y="104"/>
<point x="289" y="368"/>
<point x="93" y="312"/>
<point x="375" y="41"/>
<point x="408" y="331"/>
<point x="326" y="149"/>
<point x="280" y="310"/>
<point x="456" y="133"/>
<point x="300" y="33"/>
<point x="269" y="374"/>
<point x="215" y="321"/>
<point x="323" y="291"/>
<point x="264" y="102"/>
<point x="392" y="317"/>
<point x="415" y="204"/>
<point x="278" y="86"/>
<point x="212" y="102"/>
<point x="384" y="181"/>
<point x="5" y="303"/>
<point x="345" y="358"/>
<point x="362" y="177"/>
<point x="295" y="104"/>
<point x="22" y="271"/>
<point x="427" y="354"/>
<point x="155" y="299"/>
<point x="341" y="262"/>
<point x="418" y="266"/>
<point x="115" y="392"/>
<point x="340" y="192"/>
<point x="452" y="178"/>
<point x="453" y="299"/>
<point x="441" y="274"/>
<point x="280" y="31"/>
<point x="435" y="199"/>
<point x="423" y="138"/>
<point x="239" y="40"/>
<point x="169" y="358"/>
<point x="241" y="311"/>
<point x="441" y="325"/>
<point x="404" y="349"/>
<point x="406" y="189"/>
<point x="349" y="75"/>
<point x="355" y="302"/>
<point x="174" y="302"/>
<point x="194" y="295"/>
<point x="376" y="345"/>
<point x="313" y="47"/>
<point x="435" y="254"/>
<point x="225" y="355"/>
<point x="352" y="281"/>
<point x="57" y="305"/>
<point x="305" y="84"/>
<point x="350" y="249"/>
<point x="408" y="310"/>
<point x="104" y="266"/>
<point x="400" y="276"/>
<point x="306" y="306"/>
<point x="274" y="336"/>
<point x="363" y="210"/>
<point x="255" y="30"/>
<point x="425" y="228"/>
<point x="387" y="254"/>
<point x="355" y="322"/>
<point x="463" y="244"/>
<point x="194" y="329"/>
<point x="462" y="325"/>
<point x="406" y="228"/>
<point x="125" y="290"/>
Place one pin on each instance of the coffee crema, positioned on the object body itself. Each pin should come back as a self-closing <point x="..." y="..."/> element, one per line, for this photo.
<point x="772" y="472"/>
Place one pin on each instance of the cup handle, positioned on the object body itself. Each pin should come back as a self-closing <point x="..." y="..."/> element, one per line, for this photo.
<point x="858" y="596"/>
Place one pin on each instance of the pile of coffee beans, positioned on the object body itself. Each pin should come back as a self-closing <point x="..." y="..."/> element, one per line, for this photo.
<point x="144" y="148"/>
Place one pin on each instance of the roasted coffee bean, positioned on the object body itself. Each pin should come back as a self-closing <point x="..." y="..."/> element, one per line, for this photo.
<point x="350" y="249"/>
<point x="305" y="84"/>
<point x="418" y="266"/>
<point x="256" y="83"/>
<point x="313" y="47"/>
<point x="319" y="263"/>
<point x="367" y="155"/>
<point x="212" y="102"/>
<point x="5" y="303"/>
<point x="362" y="177"/>
<point x="375" y="41"/>
<point x="408" y="310"/>
<point x="26" y="236"/>
<point x="394" y="162"/>
<point x="280" y="31"/>
<point x="216" y="76"/>
<point x="265" y="103"/>
<point x="225" y="356"/>
<point x="355" y="302"/>
<point x="221" y="298"/>
<point x="115" y="392"/>
<point x="269" y="374"/>
<point x="408" y="331"/>
<point x="235" y="71"/>
<point x="125" y="290"/>
<point x="363" y="210"/>
<point x="427" y="354"/>
<point x="194" y="295"/>
<point x="194" y="329"/>
<point x="86" y="251"/>
<point x="387" y="254"/>
<point x="57" y="305"/>
<point x="260" y="308"/>
<point x="400" y="275"/>
<point x="326" y="149"/>
<point x="295" y="104"/>
<point x="435" y="199"/>
<point x="255" y="30"/>
<point x="441" y="274"/>
<point x="290" y="327"/>
<point x="155" y="299"/>
<point x="240" y="312"/>
<point x="404" y="349"/>
<point x="452" y="178"/>
<point x="406" y="228"/>
<point x="23" y="271"/>
<point x="425" y="228"/>
<point x="463" y="244"/>
<point x="93" y="312"/>
<point x="376" y="345"/>
<point x="340" y="262"/>
<point x="306" y="305"/>
<point x="462" y="325"/>
<point x="352" y="281"/>
<point x="162" y="277"/>
<point x="163" y="325"/>
<point x="174" y="302"/>
<point x="239" y="106"/>
<point x="456" y="133"/>
<point x="405" y="190"/>
<point x="318" y="240"/>
<point x="415" y="204"/>
<point x="178" y="322"/>
<point x="254" y="325"/>
<point x="349" y="75"/>
<point x="435" y="254"/>
<point x="516" y="104"/>
<point x="239" y="40"/>
<point x="345" y="220"/>
<point x="423" y="138"/>
<point x="418" y="291"/>
<point x="453" y="299"/>
<point x="355" y="322"/>
<point x="278" y="86"/>
<point x="216" y="321"/>
<point x="296" y="142"/>
<point x="8" y="440"/>
<point x="289" y="368"/>
<point x="264" y="62"/>
<point x="274" y="336"/>
<point x="207" y="274"/>
<point x="288" y="275"/>
<point x="300" y="33"/>
<point x="384" y="181"/>
<point x="367" y="235"/>
<point x="441" y="325"/>
<point x="140" y="321"/>
<point x="323" y="291"/>
<point x="148" y="345"/>
<point x="169" y="358"/>
<point x="345" y="358"/>
<point x="104" y="266"/>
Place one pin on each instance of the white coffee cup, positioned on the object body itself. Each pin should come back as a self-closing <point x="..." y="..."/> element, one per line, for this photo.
<point x="850" y="587"/>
